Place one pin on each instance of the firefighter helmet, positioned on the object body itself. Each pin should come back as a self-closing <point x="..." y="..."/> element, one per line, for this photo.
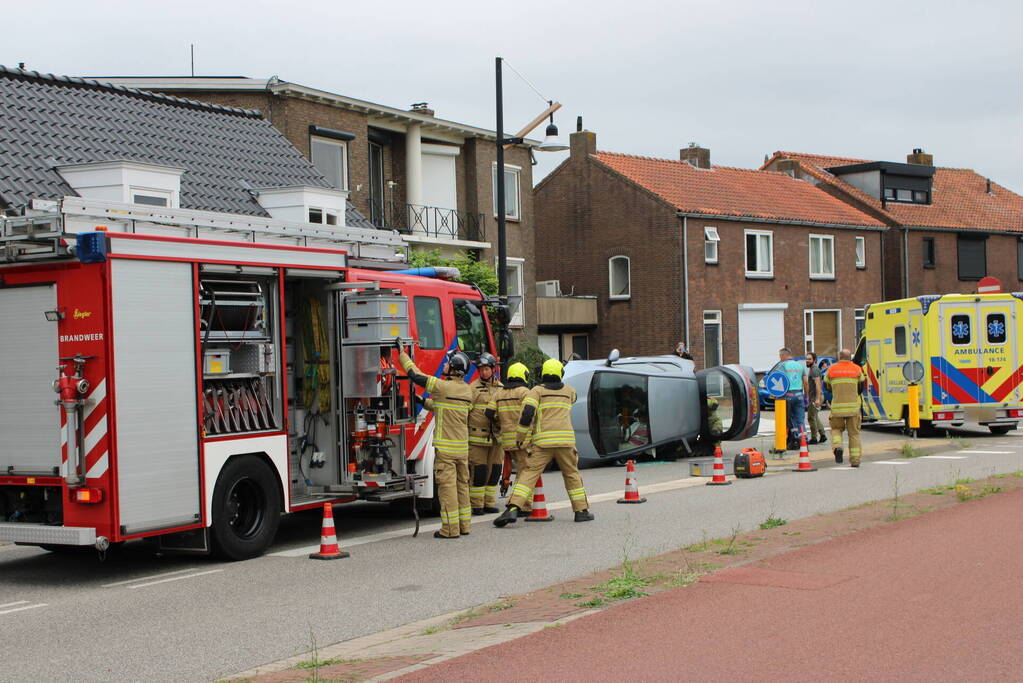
<point x="518" y="371"/>
<point x="553" y="366"/>
<point x="486" y="361"/>
<point x="458" y="364"/>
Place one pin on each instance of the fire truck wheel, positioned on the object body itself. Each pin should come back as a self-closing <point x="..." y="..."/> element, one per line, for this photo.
<point x="246" y="509"/>
<point x="999" y="429"/>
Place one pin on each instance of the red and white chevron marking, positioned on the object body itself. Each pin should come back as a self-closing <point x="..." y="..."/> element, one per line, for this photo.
<point x="96" y="443"/>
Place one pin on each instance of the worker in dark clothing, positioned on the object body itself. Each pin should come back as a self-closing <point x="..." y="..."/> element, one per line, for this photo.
<point x="450" y="400"/>
<point x="546" y="417"/>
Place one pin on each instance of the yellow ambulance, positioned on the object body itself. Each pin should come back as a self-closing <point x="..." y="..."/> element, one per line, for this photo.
<point x="963" y="350"/>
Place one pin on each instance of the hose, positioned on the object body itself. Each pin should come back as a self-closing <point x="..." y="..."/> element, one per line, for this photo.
<point x="317" y="376"/>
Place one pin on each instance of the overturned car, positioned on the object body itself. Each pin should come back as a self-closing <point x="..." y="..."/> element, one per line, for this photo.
<point x="658" y="405"/>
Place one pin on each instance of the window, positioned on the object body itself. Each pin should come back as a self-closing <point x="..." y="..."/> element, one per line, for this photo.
<point x="860" y="318"/>
<point x="894" y="194"/>
<point x="619" y="412"/>
<point x="711" y="338"/>
<point x="428" y="322"/>
<point x="900" y="340"/>
<point x="150" y="199"/>
<point x="581" y="346"/>
<point x="759" y="253"/>
<point x="861" y="252"/>
<point x="960" y="329"/>
<point x="515" y="286"/>
<point x="972" y="257"/>
<point x="511" y="191"/>
<point x="324" y="217"/>
<point x="472" y="334"/>
<point x="619" y="277"/>
<point x="710" y="244"/>
<point x="331" y="158"/>
<point x="996" y="328"/>
<point x="929" y="254"/>
<point x="822" y="257"/>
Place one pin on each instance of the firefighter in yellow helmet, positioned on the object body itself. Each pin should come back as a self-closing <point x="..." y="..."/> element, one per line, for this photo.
<point x="506" y="408"/>
<point x="546" y="415"/>
<point x="485" y="453"/>
<point x="450" y="400"/>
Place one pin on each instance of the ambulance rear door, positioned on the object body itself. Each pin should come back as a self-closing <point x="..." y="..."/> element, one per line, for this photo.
<point x="959" y="369"/>
<point x="999" y="355"/>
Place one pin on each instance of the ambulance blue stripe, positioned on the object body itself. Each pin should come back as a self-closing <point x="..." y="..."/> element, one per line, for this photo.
<point x="961" y="380"/>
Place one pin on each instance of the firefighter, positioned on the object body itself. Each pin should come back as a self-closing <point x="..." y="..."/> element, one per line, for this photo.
<point x="450" y="400"/>
<point x="506" y="408"/>
<point x="545" y="413"/>
<point x="846" y="381"/>
<point x="485" y="453"/>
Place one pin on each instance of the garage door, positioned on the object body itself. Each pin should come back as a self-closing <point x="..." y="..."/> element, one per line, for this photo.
<point x="761" y="334"/>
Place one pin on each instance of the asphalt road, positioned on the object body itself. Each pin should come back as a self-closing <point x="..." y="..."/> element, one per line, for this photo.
<point x="142" y="617"/>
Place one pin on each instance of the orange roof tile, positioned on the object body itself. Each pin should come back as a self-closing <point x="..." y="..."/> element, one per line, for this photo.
<point x="959" y="197"/>
<point x="741" y="192"/>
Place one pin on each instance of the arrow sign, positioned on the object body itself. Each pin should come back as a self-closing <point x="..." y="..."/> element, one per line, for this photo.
<point x="777" y="384"/>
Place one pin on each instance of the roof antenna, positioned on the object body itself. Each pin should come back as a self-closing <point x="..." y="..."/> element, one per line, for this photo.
<point x="989" y="186"/>
<point x="21" y="65"/>
<point x="192" y="48"/>
<point x="579" y="123"/>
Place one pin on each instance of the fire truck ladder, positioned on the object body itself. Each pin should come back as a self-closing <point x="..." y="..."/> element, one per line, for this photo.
<point x="32" y="238"/>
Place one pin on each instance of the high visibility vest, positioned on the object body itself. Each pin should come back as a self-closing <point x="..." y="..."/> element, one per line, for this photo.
<point x="507" y="403"/>
<point x="844" y="379"/>
<point x="450" y="401"/>
<point x="552" y="422"/>
<point x="480" y="428"/>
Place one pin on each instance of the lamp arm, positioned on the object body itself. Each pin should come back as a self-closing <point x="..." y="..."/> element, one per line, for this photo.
<point x="531" y="126"/>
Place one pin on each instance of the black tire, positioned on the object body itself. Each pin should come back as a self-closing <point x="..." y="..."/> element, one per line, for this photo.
<point x="246" y="509"/>
<point x="1000" y="429"/>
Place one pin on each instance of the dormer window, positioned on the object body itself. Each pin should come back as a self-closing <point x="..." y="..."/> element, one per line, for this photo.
<point x="304" y="204"/>
<point x="324" y="216"/>
<point x="126" y="182"/>
<point x="894" y="194"/>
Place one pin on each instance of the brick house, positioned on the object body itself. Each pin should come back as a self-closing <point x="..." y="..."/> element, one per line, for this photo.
<point x="431" y="179"/>
<point x="736" y="262"/>
<point x="949" y="226"/>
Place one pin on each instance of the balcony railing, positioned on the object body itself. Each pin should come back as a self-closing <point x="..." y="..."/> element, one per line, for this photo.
<point x="431" y="221"/>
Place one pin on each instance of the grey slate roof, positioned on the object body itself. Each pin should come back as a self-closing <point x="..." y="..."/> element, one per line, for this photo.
<point x="48" y="120"/>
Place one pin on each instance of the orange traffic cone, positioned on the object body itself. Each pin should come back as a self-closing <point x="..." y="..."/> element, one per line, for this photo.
<point x="539" y="511"/>
<point x="631" y="489"/>
<point x="804" y="455"/>
<point x="719" y="469"/>
<point x="329" y="549"/>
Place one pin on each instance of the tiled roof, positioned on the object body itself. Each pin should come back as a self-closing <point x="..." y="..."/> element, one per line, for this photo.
<point x="739" y="192"/>
<point x="48" y="120"/>
<point x="959" y="197"/>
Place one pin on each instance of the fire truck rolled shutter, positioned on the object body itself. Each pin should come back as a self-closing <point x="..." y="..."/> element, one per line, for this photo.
<point x="154" y="369"/>
<point x="29" y="421"/>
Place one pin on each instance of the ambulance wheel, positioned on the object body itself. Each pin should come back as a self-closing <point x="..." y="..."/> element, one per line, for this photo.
<point x="999" y="429"/>
<point x="246" y="509"/>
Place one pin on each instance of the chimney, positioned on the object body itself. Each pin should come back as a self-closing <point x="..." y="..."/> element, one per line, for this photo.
<point x="695" y="155"/>
<point x="421" y="108"/>
<point x="582" y="143"/>
<point x="920" y="157"/>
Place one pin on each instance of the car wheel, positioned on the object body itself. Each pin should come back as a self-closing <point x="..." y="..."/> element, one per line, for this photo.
<point x="246" y="509"/>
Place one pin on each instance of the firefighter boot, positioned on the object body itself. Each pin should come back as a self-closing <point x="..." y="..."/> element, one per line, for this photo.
<point x="838" y="456"/>
<point x="854" y="461"/>
<point x="510" y="514"/>
<point x="437" y="534"/>
<point x="583" y="516"/>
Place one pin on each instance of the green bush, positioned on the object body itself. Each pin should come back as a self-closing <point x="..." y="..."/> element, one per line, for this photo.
<point x="472" y="271"/>
<point x="532" y="357"/>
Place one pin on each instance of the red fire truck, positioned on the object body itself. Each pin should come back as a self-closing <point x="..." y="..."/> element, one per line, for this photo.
<point x="189" y="375"/>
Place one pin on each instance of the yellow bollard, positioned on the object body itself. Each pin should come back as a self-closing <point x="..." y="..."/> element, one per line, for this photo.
<point x="781" y="430"/>
<point x="913" y="396"/>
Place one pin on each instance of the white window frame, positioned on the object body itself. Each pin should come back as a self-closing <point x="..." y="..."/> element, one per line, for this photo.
<point x="759" y="272"/>
<point x="340" y="144"/>
<point x="326" y="215"/>
<point x="710" y="239"/>
<point x="861" y="252"/>
<point x="859" y="314"/>
<point x="167" y="197"/>
<point x="610" y="278"/>
<point x="828" y="240"/>
<point x="518" y="265"/>
<point x="517" y="172"/>
<point x="713" y="318"/>
<point x="808" y="323"/>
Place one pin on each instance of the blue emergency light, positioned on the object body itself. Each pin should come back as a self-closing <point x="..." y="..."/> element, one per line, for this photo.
<point x="92" y="247"/>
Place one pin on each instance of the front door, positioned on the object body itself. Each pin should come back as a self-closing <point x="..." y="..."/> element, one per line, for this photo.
<point x="376" y="184"/>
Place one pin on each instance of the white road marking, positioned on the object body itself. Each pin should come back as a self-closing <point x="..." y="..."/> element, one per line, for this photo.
<point x="558" y="505"/>
<point x="12" y="604"/>
<point x="889" y="462"/>
<point x="175" y="578"/>
<point x="146" y="578"/>
<point x="945" y="457"/>
<point x="21" y="609"/>
<point x="845" y="467"/>
<point x="988" y="452"/>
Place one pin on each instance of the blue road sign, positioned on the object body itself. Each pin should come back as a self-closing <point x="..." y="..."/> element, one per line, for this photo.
<point x="777" y="384"/>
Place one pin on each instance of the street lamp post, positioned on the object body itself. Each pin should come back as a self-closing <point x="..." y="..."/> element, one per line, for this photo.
<point x="550" y="144"/>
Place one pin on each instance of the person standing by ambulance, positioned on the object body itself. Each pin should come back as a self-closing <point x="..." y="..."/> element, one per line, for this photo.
<point x="450" y="400"/>
<point x="546" y="414"/>
<point x="506" y="408"/>
<point x="795" y="399"/>
<point x="846" y="381"/>
<point x="814" y="399"/>
<point x="485" y="454"/>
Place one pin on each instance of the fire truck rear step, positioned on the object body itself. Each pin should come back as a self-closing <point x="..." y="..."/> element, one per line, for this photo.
<point x="17" y="532"/>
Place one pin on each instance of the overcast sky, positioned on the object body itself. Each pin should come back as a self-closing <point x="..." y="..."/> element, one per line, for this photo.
<point x="860" y="79"/>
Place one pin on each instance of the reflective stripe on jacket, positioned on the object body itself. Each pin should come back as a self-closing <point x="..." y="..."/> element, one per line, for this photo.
<point x="507" y="404"/>
<point x="481" y="428"/>
<point x="845" y="379"/>
<point x="552" y="422"/>
<point x="450" y="400"/>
